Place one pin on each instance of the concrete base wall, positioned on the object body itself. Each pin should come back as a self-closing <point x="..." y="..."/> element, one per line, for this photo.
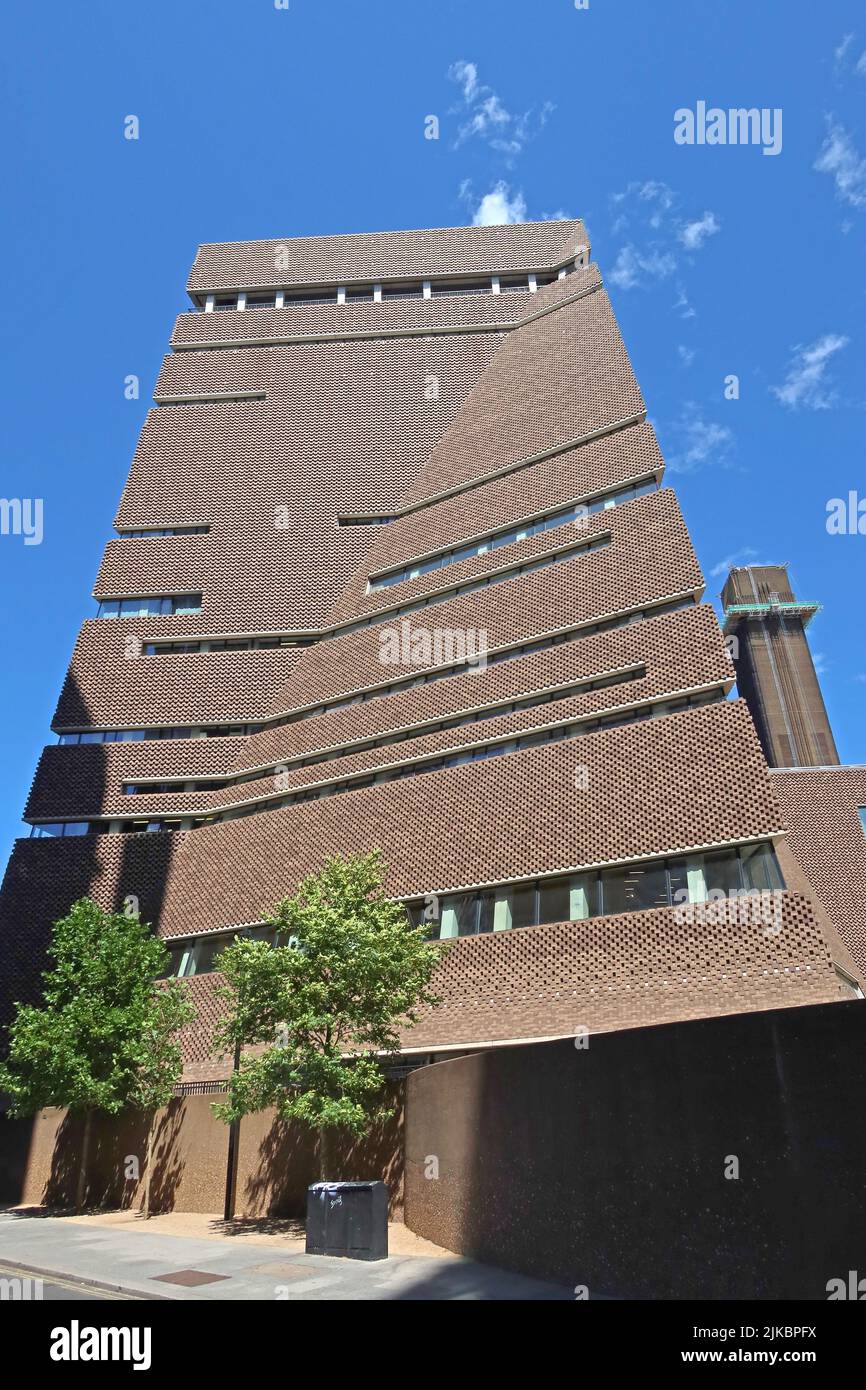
<point x="606" y="1167"/>
<point x="276" y="1161"/>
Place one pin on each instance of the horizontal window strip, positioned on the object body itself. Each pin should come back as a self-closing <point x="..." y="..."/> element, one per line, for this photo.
<point x="576" y="513"/>
<point x="225" y="398"/>
<point x="222" y="644"/>
<point x="485" y="581"/>
<point x="750" y="871"/>
<point x="154" y="532"/>
<point x="553" y="733"/>
<point x="427" y="677"/>
<point x="677" y="881"/>
<point x="148" y="607"/>
<point x="559" y="556"/>
<point x="244" y="300"/>
<point x="462" y="718"/>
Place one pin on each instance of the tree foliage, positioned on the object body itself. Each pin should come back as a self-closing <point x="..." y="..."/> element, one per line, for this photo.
<point x="105" y="1036"/>
<point x="323" y="1008"/>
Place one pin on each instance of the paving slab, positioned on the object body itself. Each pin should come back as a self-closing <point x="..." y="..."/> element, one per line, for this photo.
<point x="136" y="1263"/>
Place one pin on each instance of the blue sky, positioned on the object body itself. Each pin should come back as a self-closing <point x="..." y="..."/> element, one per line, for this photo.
<point x="257" y="122"/>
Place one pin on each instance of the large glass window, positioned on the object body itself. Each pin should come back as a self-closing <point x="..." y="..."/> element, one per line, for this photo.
<point x="459" y="915"/>
<point x="568" y="899"/>
<point x="150" y="606"/>
<point x="627" y="888"/>
<point x="695" y="879"/>
<point x="59" y="830"/>
<point x="634" y="888"/>
<point x="760" y="868"/>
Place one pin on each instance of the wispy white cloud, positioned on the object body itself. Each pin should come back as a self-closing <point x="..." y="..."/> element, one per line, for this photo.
<point x="841" y="54"/>
<point x="840" y="158"/>
<point x="806" y="383"/>
<point x="739" y="557"/>
<point x="682" y="305"/>
<point x="694" y="234"/>
<point x="820" y="662"/>
<point x="466" y="74"/>
<point x="486" y="117"/>
<point x="686" y="354"/>
<point x="499" y="207"/>
<point x="634" y="267"/>
<point x="844" y="45"/>
<point x="654" y="235"/>
<point x="698" y="442"/>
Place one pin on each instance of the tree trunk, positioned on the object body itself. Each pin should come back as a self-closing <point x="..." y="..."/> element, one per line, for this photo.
<point x="324" y="1154"/>
<point x="85" y="1155"/>
<point x="148" y="1166"/>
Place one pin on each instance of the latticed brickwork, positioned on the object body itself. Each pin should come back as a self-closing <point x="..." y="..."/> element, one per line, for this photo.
<point x="821" y="806"/>
<point x="370" y="256"/>
<point x="455" y="417"/>
<point x="612" y="972"/>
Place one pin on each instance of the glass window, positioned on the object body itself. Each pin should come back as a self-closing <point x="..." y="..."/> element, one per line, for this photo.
<point x="206" y="952"/>
<point x="634" y="888"/>
<point x="415" y="913"/>
<point x="568" y="899"/>
<point x="701" y="877"/>
<point x="721" y="872"/>
<point x="554" y="900"/>
<point x="863" y="818"/>
<point x="187" y="964"/>
<point x="760" y="868"/>
<point x="459" y="915"/>
<point x="518" y="905"/>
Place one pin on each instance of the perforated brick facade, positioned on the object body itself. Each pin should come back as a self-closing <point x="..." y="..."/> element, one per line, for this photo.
<point x="597" y="717"/>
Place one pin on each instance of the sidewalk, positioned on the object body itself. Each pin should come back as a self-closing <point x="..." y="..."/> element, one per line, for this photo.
<point x="121" y="1252"/>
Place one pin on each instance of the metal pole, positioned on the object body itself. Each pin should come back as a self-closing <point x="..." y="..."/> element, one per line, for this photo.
<point x="232" y="1156"/>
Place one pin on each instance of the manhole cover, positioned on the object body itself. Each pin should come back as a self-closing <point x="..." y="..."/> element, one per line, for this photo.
<point x="190" y="1278"/>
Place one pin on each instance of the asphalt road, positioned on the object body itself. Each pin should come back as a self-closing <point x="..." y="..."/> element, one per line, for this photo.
<point x="55" y="1290"/>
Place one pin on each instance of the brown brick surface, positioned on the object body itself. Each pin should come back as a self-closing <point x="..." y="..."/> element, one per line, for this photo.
<point x="370" y="256"/>
<point x="821" y="807"/>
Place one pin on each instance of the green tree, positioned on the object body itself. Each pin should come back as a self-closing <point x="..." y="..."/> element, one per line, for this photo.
<point x="105" y="1037"/>
<point x="323" y="1006"/>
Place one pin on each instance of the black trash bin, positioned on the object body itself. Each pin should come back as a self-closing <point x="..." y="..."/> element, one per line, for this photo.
<point x="348" y="1219"/>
